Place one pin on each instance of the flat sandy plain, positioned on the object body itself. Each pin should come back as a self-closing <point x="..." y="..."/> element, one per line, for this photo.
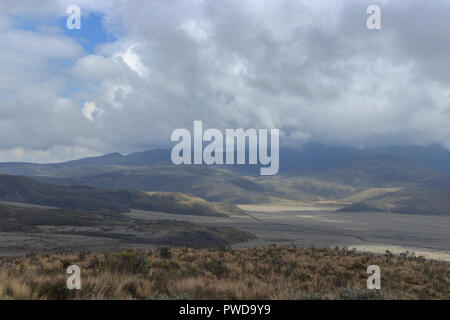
<point x="318" y="225"/>
<point x="304" y="225"/>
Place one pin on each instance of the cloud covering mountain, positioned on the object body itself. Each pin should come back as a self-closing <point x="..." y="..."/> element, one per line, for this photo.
<point x="311" y="69"/>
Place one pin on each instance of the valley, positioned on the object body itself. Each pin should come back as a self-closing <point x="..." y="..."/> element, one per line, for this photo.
<point x="371" y="200"/>
<point x="321" y="226"/>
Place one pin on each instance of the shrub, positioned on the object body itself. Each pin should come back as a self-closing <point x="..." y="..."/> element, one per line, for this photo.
<point x="131" y="262"/>
<point x="165" y="253"/>
<point x="55" y="290"/>
<point x="217" y="268"/>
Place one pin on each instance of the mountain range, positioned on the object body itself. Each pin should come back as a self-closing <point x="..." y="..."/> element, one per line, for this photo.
<point x="403" y="179"/>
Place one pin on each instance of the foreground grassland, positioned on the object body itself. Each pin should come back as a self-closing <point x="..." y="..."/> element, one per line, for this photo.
<point x="248" y="273"/>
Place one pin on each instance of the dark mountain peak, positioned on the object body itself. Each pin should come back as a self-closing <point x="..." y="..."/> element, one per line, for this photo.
<point x="111" y="155"/>
<point x="104" y="159"/>
<point x="148" y="157"/>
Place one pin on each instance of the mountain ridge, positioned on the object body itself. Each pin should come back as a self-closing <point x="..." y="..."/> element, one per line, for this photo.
<point x="315" y="173"/>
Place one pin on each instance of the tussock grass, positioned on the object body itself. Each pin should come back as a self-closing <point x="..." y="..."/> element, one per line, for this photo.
<point x="274" y="272"/>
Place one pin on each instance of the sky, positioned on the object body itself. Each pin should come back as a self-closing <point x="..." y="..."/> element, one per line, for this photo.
<point x="137" y="70"/>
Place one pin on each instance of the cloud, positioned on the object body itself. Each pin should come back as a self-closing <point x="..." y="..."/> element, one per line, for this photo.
<point x="90" y="110"/>
<point x="311" y="69"/>
<point x="132" y="60"/>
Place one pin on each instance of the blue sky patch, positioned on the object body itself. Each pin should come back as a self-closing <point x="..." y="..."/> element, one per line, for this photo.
<point x="92" y="32"/>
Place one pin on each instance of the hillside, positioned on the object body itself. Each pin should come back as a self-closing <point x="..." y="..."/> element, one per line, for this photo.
<point x="214" y="184"/>
<point x="26" y="190"/>
<point x="37" y="229"/>
<point x="399" y="178"/>
<point x="309" y="159"/>
<point x="378" y="182"/>
<point x="182" y="203"/>
<point x="411" y="201"/>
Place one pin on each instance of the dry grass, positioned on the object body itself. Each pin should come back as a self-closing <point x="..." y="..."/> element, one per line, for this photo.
<point x="248" y="273"/>
<point x="178" y="202"/>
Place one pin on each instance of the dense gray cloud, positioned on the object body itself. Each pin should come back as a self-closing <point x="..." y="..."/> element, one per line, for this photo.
<point x="310" y="68"/>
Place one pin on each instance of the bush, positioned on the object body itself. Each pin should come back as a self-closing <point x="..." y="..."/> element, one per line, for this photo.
<point x="55" y="290"/>
<point x="217" y="268"/>
<point x="165" y="253"/>
<point x="130" y="262"/>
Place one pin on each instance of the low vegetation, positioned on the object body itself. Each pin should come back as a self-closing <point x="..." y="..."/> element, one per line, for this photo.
<point x="126" y="231"/>
<point x="14" y="218"/>
<point x="248" y="273"/>
<point x="426" y="201"/>
<point x="182" y="203"/>
<point x="25" y="190"/>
